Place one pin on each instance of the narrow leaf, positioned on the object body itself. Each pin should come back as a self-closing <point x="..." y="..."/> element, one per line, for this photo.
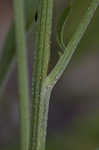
<point x="61" y="24"/>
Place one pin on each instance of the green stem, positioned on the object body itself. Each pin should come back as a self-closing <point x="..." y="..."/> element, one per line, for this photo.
<point x="42" y="90"/>
<point x="37" y="140"/>
<point x="56" y="73"/>
<point x="72" y="45"/>
<point x="22" y="72"/>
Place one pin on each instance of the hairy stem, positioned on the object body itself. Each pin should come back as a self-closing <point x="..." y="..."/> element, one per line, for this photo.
<point x="22" y="72"/>
<point x="37" y="141"/>
<point x="72" y="45"/>
<point x="56" y="73"/>
<point x="52" y="78"/>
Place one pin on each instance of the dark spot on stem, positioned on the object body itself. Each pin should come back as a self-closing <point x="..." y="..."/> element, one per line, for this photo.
<point x="36" y="17"/>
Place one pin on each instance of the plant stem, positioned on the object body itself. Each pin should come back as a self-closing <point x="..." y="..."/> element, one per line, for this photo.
<point x="42" y="88"/>
<point x="72" y="45"/>
<point x="37" y="140"/>
<point x="56" y="73"/>
<point x="22" y="72"/>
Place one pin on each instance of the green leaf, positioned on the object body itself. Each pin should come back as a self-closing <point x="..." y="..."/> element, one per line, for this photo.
<point x="61" y="24"/>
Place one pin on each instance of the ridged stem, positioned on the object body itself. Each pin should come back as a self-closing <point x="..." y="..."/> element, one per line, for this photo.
<point x="38" y="130"/>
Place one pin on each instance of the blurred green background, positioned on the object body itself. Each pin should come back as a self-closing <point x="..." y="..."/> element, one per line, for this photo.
<point x="74" y="106"/>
